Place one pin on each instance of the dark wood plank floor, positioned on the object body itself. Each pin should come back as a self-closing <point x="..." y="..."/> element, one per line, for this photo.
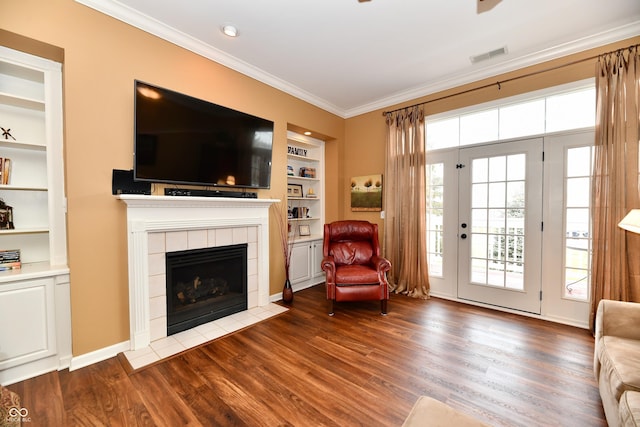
<point x="304" y="368"/>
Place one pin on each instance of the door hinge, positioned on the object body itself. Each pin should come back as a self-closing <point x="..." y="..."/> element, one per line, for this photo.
<point x="543" y="156"/>
<point x="542" y="226"/>
<point x="459" y="166"/>
<point x="540" y="295"/>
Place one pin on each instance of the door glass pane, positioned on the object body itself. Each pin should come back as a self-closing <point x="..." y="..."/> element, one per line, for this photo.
<point x="496" y="220"/>
<point x="515" y="276"/>
<point x="479" y="220"/>
<point x="479" y="271"/>
<point x="516" y="167"/>
<point x="480" y="170"/>
<point x="498" y="216"/>
<point x="479" y="195"/>
<point x="497" y="195"/>
<point x="497" y="168"/>
<point x="435" y="212"/>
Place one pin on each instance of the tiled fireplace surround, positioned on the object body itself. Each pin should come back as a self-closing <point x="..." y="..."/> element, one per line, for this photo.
<point x="160" y="224"/>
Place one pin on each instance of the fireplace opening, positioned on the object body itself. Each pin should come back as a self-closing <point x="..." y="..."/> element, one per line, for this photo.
<point x="204" y="285"/>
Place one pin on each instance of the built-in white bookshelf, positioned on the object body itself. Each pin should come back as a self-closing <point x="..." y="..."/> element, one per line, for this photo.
<point x="32" y="184"/>
<point x="305" y="202"/>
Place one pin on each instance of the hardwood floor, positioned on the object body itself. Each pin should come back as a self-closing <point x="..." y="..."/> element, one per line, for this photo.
<point x="304" y="368"/>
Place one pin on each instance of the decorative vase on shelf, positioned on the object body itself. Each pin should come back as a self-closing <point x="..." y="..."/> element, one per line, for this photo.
<point x="287" y="292"/>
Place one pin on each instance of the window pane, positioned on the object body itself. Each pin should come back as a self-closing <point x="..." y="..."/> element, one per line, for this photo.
<point x="479" y="127"/>
<point x="578" y="162"/>
<point x="522" y="119"/>
<point x="577" y="222"/>
<point x="578" y="192"/>
<point x="443" y="133"/>
<point x="571" y="110"/>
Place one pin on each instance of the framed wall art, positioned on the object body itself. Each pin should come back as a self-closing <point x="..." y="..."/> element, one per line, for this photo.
<point x="366" y="193"/>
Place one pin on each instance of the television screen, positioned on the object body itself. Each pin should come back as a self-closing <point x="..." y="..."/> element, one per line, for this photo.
<point x="184" y="140"/>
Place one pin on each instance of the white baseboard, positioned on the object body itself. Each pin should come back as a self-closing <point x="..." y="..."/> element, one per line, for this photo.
<point x="98" y="355"/>
<point x="555" y="319"/>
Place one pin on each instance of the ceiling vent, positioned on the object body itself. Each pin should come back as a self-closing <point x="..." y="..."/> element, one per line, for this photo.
<point x="488" y="55"/>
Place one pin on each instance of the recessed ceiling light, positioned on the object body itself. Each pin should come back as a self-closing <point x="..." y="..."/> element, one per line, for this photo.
<point x="307" y="133"/>
<point x="230" y="30"/>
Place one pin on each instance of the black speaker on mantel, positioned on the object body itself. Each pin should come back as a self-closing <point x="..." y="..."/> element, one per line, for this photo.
<point x="122" y="183"/>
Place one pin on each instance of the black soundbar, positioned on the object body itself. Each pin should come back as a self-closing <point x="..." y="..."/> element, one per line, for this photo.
<point x="209" y="193"/>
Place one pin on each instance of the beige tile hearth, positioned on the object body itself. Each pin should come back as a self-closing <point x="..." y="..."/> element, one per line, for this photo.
<point x="174" y="344"/>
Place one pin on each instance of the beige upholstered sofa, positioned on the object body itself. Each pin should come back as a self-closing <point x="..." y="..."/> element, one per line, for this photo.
<point x="616" y="361"/>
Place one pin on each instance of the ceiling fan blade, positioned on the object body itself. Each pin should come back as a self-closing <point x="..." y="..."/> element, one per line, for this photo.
<point x="486" y="5"/>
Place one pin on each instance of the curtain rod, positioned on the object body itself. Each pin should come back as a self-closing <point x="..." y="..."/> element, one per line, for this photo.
<point x="499" y="83"/>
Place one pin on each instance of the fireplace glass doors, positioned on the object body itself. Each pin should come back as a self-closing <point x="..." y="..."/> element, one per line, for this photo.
<point x="204" y="285"/>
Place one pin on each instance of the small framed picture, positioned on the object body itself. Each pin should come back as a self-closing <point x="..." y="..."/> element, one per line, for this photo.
<point x="304" y="230"/>
<point x="294" y="190"/>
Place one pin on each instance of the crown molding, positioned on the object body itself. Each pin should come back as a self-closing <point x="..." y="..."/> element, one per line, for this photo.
<point x="150" y="25"/>
<point x="585" y="43"/>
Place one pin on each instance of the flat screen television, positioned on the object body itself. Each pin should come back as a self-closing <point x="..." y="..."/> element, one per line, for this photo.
<point x="184" y="140"/>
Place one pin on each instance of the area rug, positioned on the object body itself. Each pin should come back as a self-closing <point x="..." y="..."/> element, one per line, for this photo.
<point x="432" y="413"/>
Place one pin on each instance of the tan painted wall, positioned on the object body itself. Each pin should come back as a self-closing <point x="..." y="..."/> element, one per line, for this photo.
<point x="102" y="57"/>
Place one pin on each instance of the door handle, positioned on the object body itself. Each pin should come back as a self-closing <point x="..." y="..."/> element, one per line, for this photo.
<point x="463" y="236"/>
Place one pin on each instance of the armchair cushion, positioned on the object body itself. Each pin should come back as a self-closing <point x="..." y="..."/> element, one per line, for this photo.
<point x="349" y="253"/>
<point x="356" y="275"/>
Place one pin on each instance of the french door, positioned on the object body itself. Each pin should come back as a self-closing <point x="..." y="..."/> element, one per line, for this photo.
<point x="500" y="224"/>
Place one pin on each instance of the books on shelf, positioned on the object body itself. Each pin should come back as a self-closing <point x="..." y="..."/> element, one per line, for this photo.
<point x="5" y="170"/>
<point x="10" y="259"/>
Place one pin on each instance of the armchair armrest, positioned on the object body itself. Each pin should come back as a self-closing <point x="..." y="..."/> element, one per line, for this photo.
<point x="381" y="264"/>
<point x="328" y="265"/>
<point x="618" y="318"/>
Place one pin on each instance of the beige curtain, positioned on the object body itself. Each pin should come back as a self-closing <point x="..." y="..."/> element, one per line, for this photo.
<point x="405" y="234"/>
<point x="616" y="253"/>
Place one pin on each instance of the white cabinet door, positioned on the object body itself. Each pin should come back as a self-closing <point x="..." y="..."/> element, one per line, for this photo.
<point x="28" y="317"/>
<point x="316" y="259"/>
<point x="300" y="270"/>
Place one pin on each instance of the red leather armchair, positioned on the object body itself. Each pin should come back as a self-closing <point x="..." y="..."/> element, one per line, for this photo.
<point x="354" y="269"/>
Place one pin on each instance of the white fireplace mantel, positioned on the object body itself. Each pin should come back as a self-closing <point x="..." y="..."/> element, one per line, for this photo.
<point x="168" y="214"/>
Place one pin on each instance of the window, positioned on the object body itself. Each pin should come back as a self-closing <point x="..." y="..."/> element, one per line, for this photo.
<point x="577" y="223"/>
<point x="435" y="211"/>
<point x="562" y="109"/>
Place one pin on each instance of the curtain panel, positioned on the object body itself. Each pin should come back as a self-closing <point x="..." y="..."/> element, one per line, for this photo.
<point x="405" y="233"/>
<point x="615" y="268"/>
